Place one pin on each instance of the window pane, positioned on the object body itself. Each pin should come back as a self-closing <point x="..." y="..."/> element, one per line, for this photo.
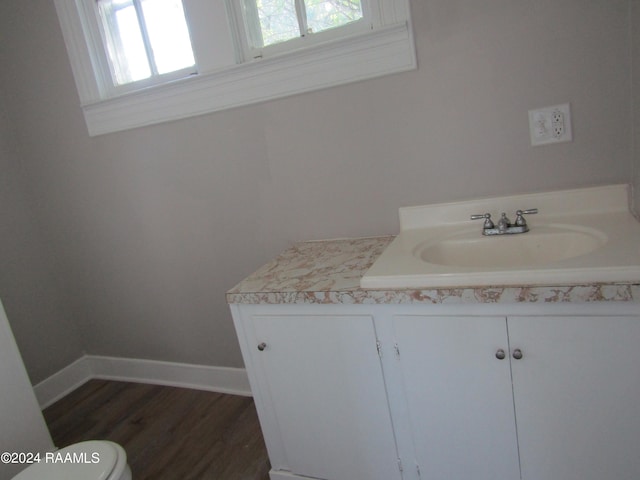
<point x="125" y="46"/>
<point x="276" y="21"/>
<point x="168" y="34"/>
<point x="326" y="14"/>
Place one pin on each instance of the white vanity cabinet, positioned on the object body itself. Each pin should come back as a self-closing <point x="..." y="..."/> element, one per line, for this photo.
<point x="533" y="397"/>
<point x="319" y="390"/>
<point x="446" y="392"/>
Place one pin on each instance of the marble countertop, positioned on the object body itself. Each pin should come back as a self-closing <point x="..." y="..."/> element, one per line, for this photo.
<point x="329" y="271"/>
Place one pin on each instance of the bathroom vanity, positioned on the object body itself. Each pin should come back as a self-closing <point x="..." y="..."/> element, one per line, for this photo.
<point x="530" y="381"/>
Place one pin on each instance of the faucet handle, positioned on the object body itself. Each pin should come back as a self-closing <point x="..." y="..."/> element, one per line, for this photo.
<point x="520" y="221"/>
<point x="488" y="223"/>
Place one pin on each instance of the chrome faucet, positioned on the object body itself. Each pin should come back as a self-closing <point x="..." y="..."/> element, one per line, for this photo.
<point x="504" y="225"/>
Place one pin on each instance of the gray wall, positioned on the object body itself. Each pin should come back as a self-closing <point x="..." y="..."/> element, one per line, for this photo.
<point x="32" y="295"/>
<point x="150" y="227"/>
<point x="635" y="62"/>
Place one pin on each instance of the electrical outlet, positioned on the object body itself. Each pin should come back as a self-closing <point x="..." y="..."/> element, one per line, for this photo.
<point x="550" y="125"/>
<point x="557" y="123"/>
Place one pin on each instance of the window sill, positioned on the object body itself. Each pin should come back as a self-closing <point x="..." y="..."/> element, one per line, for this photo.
<point x="380" y="52"/>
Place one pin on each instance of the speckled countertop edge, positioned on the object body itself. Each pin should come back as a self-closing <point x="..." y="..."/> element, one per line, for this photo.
<point x="329" y="271"/>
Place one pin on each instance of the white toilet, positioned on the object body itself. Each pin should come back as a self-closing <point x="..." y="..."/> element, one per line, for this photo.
<point x="92" y="460"/>
<point x="24" y="429"/>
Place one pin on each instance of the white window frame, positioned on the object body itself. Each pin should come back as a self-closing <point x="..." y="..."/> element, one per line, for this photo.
<point x="233" y="80"/>
<point x="369" y="21"/>
<point x="94" y="30"/>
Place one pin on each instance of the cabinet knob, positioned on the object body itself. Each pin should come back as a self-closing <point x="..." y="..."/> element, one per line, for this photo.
<point x="517" y="354"/>
<point x="262" y="346"/>
<point x="500" y="355"/>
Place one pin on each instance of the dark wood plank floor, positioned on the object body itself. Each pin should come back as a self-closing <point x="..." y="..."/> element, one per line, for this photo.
<point x="168" y="433"/>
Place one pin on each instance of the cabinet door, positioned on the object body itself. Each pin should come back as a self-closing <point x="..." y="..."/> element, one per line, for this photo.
<point x="577" y="397"/>
<point x="325" y="383"/>
<point x="459" y="396"/>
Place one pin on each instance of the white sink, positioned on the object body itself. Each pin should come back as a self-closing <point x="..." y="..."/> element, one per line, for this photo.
<point x="578" y="237"/>
<point x="545" y="245"/>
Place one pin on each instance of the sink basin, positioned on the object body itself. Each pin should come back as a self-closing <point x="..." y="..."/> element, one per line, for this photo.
<point x="579" y="237"/>
<point x="546" y="245"/>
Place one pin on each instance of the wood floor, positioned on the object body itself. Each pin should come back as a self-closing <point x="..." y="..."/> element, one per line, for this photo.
<point x="168" y="433"/>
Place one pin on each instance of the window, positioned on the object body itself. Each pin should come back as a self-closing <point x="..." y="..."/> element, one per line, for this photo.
<point x="271" y="22"/>
<point x="139" y="62"/>
<point x="145" y="39"/>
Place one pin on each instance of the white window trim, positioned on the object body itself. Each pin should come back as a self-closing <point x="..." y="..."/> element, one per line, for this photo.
<point x="371" y="18"/>
<point x="385" y="50"/>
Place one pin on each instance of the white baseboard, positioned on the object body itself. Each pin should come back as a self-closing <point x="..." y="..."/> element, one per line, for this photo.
<point x="200" y="377"/>
<point x="63" y="382"/>
<point x="282" y="475"/>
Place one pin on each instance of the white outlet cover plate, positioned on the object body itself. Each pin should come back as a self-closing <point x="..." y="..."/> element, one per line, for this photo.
<point x="550" y="125"/>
